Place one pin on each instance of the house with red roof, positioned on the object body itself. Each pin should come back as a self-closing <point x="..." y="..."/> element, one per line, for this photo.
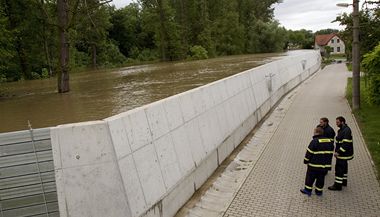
<point x="332" y="40"/>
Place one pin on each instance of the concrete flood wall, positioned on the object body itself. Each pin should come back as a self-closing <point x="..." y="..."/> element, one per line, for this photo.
<point x="149" y="161"/>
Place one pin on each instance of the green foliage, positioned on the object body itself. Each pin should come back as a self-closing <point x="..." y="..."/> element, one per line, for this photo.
<point x="3" y="78"/>
<point x="349" y="67"/>
<point x="369" y="29"/>
<point x="328" y="51"/>
<point x="35" y="75"/>
<point x="368" y="118"/>
<point x="110" y="55"/>
<point x="198" y="52"/>
<point x="45" y="73"/>
<point x="327" y="61"/>
<point x="371" y="65"/>
<point x="326" y="31"/>
<point x="300" y="39"/>
<point x="147" y="55"/>
<point x="7" y="52"/>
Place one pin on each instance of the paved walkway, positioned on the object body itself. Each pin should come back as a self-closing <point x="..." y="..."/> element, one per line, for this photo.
<point x="272" y="187"/>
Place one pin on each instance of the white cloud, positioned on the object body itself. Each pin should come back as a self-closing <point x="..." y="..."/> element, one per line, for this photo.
<point x="310" y="14"/>
<point x="121" y="3"/>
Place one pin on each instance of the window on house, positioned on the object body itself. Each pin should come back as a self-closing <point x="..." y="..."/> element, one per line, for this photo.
<point x="337" y="40"/>
<point x="332" y="41"/>
<point x="338" y="49"/>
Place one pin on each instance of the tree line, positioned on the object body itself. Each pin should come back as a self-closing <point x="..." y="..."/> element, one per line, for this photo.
<point x="44" y="38"/>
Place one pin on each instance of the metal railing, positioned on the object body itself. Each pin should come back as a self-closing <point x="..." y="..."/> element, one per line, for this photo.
<point x="27" y="179"/>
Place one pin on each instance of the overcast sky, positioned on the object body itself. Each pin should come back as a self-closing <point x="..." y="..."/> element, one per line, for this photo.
<point x="299" y="14"/>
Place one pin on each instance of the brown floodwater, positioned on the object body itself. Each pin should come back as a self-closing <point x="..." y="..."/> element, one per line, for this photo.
<point x="99" y="94"/>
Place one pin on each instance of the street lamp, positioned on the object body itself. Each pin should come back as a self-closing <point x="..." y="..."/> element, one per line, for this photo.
<point x="355" y="54"/>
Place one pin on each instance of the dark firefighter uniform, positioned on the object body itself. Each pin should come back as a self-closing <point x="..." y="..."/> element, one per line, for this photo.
<point x="318" y="159"/>
<point x="328" y="131"/>
<point x="345" y="150"/>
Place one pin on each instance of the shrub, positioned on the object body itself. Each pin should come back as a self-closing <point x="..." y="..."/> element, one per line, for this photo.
<point x="35" y="75"/>
<point x="3" y="78"/>
<point x="147" y="55"/>
<point x="371" y="66"/>
<point x="45" y="73"/>
<point x="198" y="52"/>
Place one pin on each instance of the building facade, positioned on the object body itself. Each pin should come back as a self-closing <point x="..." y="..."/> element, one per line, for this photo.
<point x="332" y="40"/>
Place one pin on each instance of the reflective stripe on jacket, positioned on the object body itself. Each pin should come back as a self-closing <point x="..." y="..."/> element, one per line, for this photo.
<point x="319" y="153"/>
<point x="344" y="146"/>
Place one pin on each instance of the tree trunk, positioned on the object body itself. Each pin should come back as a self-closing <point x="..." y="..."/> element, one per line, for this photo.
<point x="163" y="43"/>
<point x="94" y="65"/>
<point x="45" y="37"/>
<point x="63" y="73"/>
<point x="47" y="55"/>
<point x="26" y="73"/>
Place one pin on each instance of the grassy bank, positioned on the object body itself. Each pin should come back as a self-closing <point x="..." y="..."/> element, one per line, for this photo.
<point x="369" y="122"/>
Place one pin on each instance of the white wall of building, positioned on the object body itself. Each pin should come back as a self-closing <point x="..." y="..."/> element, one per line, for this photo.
<point x="149" y="161"/>
<point x="337" y="45"/>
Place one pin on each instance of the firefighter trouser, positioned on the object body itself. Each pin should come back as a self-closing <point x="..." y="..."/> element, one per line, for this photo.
<point x="341" y="169"/>
<point x="315" y="175"/>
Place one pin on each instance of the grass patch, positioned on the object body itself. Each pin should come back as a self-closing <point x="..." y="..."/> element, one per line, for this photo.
<point x="349" y="66"/>
<point x="368" y="118"/>
<point x="338" y="56"/>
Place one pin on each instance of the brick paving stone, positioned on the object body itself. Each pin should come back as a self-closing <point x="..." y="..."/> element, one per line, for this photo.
<point x="272" y="187"/>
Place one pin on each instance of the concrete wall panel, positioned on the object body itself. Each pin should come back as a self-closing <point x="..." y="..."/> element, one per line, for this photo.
<point x="210" y="130"/>
<point x="187" y="106"/>
<point x="158" y="123"/>
<point x="223" y="121"/>
<point x="137" y="128"/>
<point x="178" y="197"/>
<point x="198" y="102"/>
<point x="217" y="92"/>
<point x="173" y="112"/>
<point x="119" y="136"/>
<point x="207" y="97"/>
<point x="93" y="190"/>
<point x="132" y="186"/>
<point x="182" y="147"/>
<point x="56" y="149"/>
<point x="168" y="160"/>
<point x="195" y="141"/>
<point x="150" y="175"/>
<point x="85" y="144"/>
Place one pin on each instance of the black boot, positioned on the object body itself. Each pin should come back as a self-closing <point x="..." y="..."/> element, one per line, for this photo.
<point x="305" y="191"/>
<point x="335" y="187"/>
<point x="344" y="184"/>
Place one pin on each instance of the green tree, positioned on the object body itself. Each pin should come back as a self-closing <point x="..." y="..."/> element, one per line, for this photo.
<point x="7" y="51"/>
<point x="301" y="39"/>
<point x="159" y="17"/>
<point x="371" y="65"/>
<point x="25" y="29"/>
<point x="369" y="29"/>
<point x="227" y="31"/>
<point x="91" y="34"/>
<point x="326" y="31"/>
<point x="128" y="33"/>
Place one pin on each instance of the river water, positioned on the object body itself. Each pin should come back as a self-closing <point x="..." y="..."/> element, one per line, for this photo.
<point x="99" y="94"/>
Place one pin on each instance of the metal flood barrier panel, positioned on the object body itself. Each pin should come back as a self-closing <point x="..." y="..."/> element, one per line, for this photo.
<point x="27" y="179"/>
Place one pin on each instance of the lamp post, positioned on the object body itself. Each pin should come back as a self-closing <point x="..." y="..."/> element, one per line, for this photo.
<point x="355" y="54"/>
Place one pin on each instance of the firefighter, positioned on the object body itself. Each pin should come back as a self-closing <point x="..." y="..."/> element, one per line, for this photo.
<point x="328" y="131"/>
<point x="344" y="151"/>
<point x="318" y="159"/>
